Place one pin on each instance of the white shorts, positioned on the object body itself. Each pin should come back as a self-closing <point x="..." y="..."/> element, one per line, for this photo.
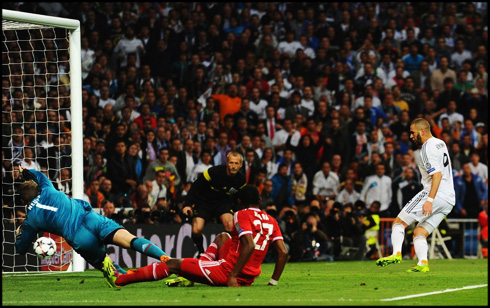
<point x="412" y="211"/>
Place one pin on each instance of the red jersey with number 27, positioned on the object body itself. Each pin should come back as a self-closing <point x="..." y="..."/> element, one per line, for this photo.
<point x="264" y="230"/>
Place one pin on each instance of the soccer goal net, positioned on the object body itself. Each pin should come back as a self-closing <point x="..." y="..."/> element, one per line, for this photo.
<point x="41" y="124"/>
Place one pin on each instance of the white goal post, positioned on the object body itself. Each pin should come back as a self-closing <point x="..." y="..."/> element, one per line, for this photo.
<point x="21" y="21"/>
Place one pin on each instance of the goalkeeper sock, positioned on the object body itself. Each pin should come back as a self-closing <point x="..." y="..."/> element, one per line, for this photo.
<point x="210" y="254"/>
<point x="152" y="272"/>
<point x="397" y="238"/>
<point x="198" y="240"/>
<point x="147" y="248"/>
<point x="421" y="249"/>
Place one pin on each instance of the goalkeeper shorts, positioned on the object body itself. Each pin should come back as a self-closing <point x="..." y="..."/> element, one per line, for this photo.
<point x="89" y="239"/>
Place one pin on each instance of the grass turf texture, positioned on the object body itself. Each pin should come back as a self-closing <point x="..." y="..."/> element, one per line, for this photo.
<point x="355" y="283"/>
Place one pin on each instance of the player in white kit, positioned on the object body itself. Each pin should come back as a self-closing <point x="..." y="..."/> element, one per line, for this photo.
<point x="432" y="204"/>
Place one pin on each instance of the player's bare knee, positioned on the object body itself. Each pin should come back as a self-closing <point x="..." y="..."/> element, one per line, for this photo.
<point x="420" y="231"/>
<point x="221" y="238"/>
<point x="174" y="265"/>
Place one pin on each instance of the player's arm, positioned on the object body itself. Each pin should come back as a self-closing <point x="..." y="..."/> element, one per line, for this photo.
<point x="25" y="235"/>
<point x="282" y="258"/>
<point x="248" y="246"/>
<point x="40" y="178"/>
<point x="436" y="181"/>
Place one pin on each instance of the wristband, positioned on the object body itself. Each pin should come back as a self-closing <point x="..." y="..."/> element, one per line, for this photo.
<point x="429" y="199"/>
<point x="273" y="282"/>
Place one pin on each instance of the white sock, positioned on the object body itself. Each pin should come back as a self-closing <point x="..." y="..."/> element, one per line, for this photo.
<point x="397" y="238"/>
<point x="421" y="249"/>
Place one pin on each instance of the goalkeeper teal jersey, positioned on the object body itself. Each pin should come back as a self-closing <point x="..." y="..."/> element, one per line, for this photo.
<point x="51" y="211"/>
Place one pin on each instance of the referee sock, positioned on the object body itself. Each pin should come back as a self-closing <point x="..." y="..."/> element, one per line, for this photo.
<point x="147" y="248"/>
<point x="198" y="240"/>
<point x="421" y="249"/>
<point x="397" y="238"/>
<point x="152" y="272"/>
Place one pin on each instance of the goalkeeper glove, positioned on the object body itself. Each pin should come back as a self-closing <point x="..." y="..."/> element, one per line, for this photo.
<point x="18" y="232"/>
<point x="26" y="174"/>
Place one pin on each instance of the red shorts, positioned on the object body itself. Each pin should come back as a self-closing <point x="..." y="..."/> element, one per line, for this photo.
<point x="211" y="272"/>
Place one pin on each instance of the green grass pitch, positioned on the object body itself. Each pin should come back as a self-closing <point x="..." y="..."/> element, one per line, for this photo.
<point x="354" y="283"/>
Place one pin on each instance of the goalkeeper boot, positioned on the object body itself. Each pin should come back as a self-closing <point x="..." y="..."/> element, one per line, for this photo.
<point x="389" y="260"/>
<point x="179" y="282"/>
<point x="164" y="258"/>
<point x="110" y="272"/>
<point x="419" y="269"/>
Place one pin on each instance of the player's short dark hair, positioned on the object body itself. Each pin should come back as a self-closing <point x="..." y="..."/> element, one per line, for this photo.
<point x="249" y="195"/>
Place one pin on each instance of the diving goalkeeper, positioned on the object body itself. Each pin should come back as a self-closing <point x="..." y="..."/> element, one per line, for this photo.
<point x="50" y="210"/>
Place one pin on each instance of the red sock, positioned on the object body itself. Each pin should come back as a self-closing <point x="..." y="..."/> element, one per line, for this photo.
<point x="152" y="272"/>
<point x="210" y="254"/>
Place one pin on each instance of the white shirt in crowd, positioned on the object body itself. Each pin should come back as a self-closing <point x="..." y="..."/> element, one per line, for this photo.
<point x="325" y="186"/>
<point x="345" y="197"/>
<point x="481" y="170"/>
<point x="289" y="48"/>
<point x="259" y="108"/>
<point x="377" y="189"/>
<point x="281" y="136"/>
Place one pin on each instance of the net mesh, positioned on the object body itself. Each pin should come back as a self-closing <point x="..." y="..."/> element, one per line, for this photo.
<point x="35" y="128"/>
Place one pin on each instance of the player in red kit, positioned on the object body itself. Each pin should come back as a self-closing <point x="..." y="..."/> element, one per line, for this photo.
<point x="234" y="261"/>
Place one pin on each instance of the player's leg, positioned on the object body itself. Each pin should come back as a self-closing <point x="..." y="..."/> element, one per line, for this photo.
<point x="196" y="235"/>
<point x="440" y="209"/>
<point x="411" y="212"/>
<point x="152" y="272"/>
<point x="227" y="220"/>
<point x="217" y="250"/>
<point x="212" y="253"/>
<point x="397" y="238"/>
<point x="125" y="239"/>
<point x="91" y="248"/>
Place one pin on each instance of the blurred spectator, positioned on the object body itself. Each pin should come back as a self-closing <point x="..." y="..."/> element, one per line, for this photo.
<point x="311" y="243"/>
<point x="377" y="187"/>
<point x="471" y="193"/>
<point x="325" y="184"/>
<point x="300" y="185"/>
<point x="282" y="188"/>
<point x="106" y="190"/>
<point x="162" y="163"/>
<point x="95" y="196"/>
<point x="120" y="171"/>
<point x="478" y="168"/>
<point x="483" y="236"/>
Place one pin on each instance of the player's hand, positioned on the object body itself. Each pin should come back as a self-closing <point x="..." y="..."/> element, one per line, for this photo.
<point x="232" y="282"/>
<point x="187" y="210"/>
<point x="427" y="208"/>
<point x="18" y="231"/>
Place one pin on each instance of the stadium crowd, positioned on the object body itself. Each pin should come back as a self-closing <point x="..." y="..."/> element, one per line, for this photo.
<point x="318" y="98"/>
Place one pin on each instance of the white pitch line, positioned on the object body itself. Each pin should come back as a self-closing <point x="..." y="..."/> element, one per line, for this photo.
<point x="432" y="293"/>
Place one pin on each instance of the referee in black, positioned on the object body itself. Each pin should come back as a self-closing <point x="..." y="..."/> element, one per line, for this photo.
<point x="211" y="195"/>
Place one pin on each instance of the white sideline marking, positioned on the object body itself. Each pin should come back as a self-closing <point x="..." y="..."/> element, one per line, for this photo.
<point x="432" y="293"/>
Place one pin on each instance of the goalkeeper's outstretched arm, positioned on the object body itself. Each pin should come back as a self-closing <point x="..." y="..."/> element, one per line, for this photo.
<point x="40" y="178"/>
<point x="24" y="236"/>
